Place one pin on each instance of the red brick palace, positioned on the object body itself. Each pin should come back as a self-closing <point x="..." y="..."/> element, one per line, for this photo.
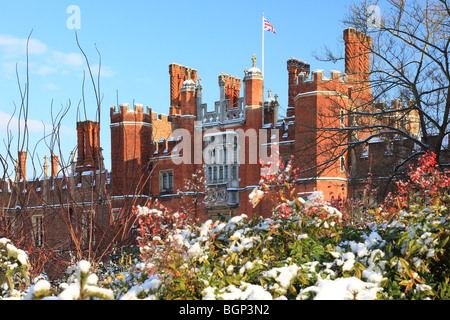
<point x="209" y="156"/>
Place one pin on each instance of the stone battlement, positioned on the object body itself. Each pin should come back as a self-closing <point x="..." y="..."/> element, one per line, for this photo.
<point x="160" y="117"/>
<point x="317" y="76"/>
<point x="125" y="108"/>
<point x="139" y="113"/>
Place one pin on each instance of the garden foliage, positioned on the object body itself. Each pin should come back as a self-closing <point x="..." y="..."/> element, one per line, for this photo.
<point x="308" y="249"/>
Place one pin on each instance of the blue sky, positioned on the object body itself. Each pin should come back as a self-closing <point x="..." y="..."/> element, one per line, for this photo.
<point x="138" y="40"/>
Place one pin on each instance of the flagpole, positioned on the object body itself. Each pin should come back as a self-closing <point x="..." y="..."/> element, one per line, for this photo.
<point x="262" y="55"/>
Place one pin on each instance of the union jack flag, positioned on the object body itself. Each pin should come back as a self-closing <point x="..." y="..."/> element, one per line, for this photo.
<point x="268" y="26"/>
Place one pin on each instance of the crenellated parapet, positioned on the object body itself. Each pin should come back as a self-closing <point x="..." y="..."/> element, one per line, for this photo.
<point x="138" y="114"/>
<point x="165" y="147"/>
<point x="317" y="82"/>
<point x="318" y="77"/>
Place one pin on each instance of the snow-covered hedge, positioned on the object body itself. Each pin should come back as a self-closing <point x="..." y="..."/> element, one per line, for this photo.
<point x="13" y="268"/>
<point x="306" y="250"/>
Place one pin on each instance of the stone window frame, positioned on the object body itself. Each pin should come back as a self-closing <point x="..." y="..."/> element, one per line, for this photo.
<point x="342" y="164"/>
<point x="166" y="181"/>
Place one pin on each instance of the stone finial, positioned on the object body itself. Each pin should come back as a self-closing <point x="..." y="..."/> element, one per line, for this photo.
<point x="199" y="81"/>
<point x="269" y="94"/>
<point x="253" y="72"/>
<point x="254" y="61"/>
<point x="189" y="73"/>
<point x="46" y="166"/>
<point x="188" y="84"/>
<point x="276" y="97"/>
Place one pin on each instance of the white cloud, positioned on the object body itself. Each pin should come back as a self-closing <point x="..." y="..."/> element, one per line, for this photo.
<point x="9" y="68"/>
<point x="50" y="86"/>
<point x="11" y="123"/>
<point x="44" y="70"/>
<point x="70" y="59"/>
<point x="105" y="71"/>
<point x="14" y="46"/>
<point x="45" y="61"/>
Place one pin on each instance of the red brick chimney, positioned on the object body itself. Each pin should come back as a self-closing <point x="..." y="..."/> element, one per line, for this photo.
<point x="294" y="67"/>
<point x="357" y="54"/>
<point x="55" y="159"/>
<point x="178" y="74"/>
<point x="88" y="146"/>
<point x="188" y="99"/>
<point x="22" y="165"/>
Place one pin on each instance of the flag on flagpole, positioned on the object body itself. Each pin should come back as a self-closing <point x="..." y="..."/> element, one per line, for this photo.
<point x="268" y="26"/>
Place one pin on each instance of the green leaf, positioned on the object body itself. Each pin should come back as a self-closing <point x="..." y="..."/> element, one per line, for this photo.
<point x="414" y="249"/>
<point x="234" y="257"/>
<point x="443" y="243"/>
<point x="262" y="282"/>
<point x="302" y="280"/>
<point x="405" y="282"/>
<point x="10" y="282"/>
<point x="405" y="264"/>
<point x="292" y="290"/>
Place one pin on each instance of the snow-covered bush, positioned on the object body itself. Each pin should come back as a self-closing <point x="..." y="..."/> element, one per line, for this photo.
<point x="13" y="268"/>
<point x="307" y="250"/>
<point x="125" y="274"/>
<point x="285" y="257"/>
<point x="165" y="251"/>
<point x="417" y="234"/>
<point x="81" y="285"/>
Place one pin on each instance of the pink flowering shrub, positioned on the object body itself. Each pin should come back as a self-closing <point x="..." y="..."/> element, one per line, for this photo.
<point x="399" y="250"/>
<point x="417" y="232"/>
<point x="426" y="184"/>
<point x="164" y="250"/>
<point x="412" y="223"/>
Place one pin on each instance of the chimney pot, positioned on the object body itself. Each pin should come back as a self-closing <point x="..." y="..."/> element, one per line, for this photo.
<point x="55" y="159"/>
<point x="22" y="165"/>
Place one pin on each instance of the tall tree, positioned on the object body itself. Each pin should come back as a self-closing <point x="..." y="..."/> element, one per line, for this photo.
<point x="409" y="61"/>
